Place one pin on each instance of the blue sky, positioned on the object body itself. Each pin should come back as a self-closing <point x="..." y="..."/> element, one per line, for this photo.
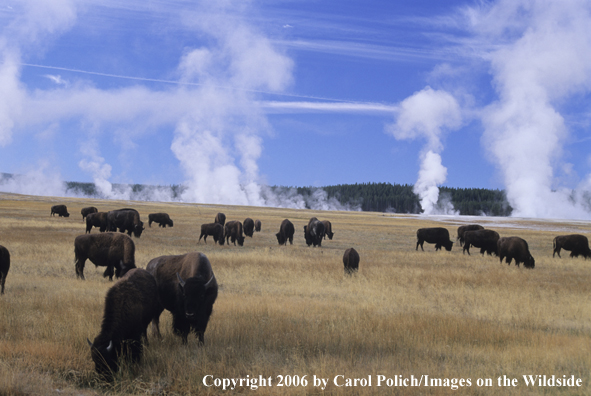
<point x="229" y="96"/>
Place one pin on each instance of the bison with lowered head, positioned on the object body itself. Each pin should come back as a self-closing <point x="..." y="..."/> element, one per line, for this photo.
<point x="576" y="243"/>
<point x="163" y="219"/>
<point x="257" y="225"/>
<point x="515" y="248"/>
<point x="233" y="232"/>
<point x="464" y="228"/>
<point x="314" y="232"/>
<point x="486" y="240"/>
<point x="111" y="250"/>
<point x="220" y="218"/>
<point x="98" y="220"/>
<point x="351" y="261"/>
<point x="60" y="210"/>
<point x="130" y="305"/>
<point x="126" y="220"/>
<point x="328" y="229"/>
<point x="248" y="227"/>
<point x="286" y="231"/>
<point x="214" y="229"/>
<point x="4" y="266"/>
<point x="187" y="288"/>
<point x="88" y="210"/>
<point x="437" y="235"/>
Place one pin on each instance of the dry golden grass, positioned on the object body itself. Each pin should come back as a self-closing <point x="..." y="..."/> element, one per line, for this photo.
<point x="290" y="310"/>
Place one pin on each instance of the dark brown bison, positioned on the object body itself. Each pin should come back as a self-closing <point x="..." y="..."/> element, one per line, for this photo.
<point x="214" y="229"/>
<point x="314" y="232"/>
<point x="163" y="219"/>
<point x="130" y="305"/>
<point x="486" y="240"/>
<point x="257" y="225"/>
<point x="248" y="227"/>
<point x="328" y="229"/>
<point x="98" y="220"/>
<point x="515" y="248"/>
<point x="4" y="266"/>
<point x="437" y="235"/>
<point x="88" y="210"/>
<point x="111" y="250"/>
<point x="220" y="218"/>
<point x="576" y="243"/>
<point x="464" y="228"/>
<point x="60" y="210"/>
<point x="233" y="232"/>
<point x="126" y="220"/>
<point x="351" y="261"/>
<point x="187" y="288"/>
<point x="286" y="231"/>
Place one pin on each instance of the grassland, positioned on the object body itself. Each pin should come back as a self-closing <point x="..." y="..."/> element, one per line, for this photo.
<point x="291" y="310"/>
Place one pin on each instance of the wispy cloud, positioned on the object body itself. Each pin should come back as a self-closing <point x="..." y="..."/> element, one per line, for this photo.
<point x="328" y="107"/>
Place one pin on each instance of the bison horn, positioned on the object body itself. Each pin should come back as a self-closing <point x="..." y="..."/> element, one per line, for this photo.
<point x="110" y="347"/>
<point x="181" y="281"/>
<point x="209" y="281"/>
<point x="89" y="343"/>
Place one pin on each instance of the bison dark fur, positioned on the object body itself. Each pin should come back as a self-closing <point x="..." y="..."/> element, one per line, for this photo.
<point x="437" y="235"/>
<point x="257" y="225"/>
<point x="163" y="220"/>
<point x="126" y="220"/>
<point x="60" y="210"/>
<point x="233" y="232"/>
<point x="464" y="228"/>
<point x="510" y="248"/>
<point x="328" y="229"/>
<point x="188" y="289"/>
<point x="314" y="232"/>
<point x="4" y="266"/>
<point x="286" y="231"/>
<point x="248" y="227"/>
<point x="214" y="229"/>
<point x="130" y="305"/>
<point x="486" y="240"/>
<point x="111" y="250"/>
<point x="576" y="243"/>
<point x="220" y="218"/>
<point x="98" y="220"/>
<point x="351" y="261"/>
<point x="88" y="210"/>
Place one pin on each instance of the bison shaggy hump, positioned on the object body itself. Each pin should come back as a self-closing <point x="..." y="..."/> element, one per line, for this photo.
<point x="437" y="235"/>
<point x="163" y="220"/>
<point x="188" y="289"/>
<point x="515" y="248"/>
<point x="111" y="250"/>
<point x="351" y="261"/>
<point x="576" y="243"/>
<point x="286" y="231"/>
<point x="4" y="266"/>
<point x="130" y="305"/>
<point x="220" y="218"/>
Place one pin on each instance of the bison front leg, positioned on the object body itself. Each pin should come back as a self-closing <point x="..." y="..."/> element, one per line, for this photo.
<point x="556" y="251"/>
<point x="80" y="268"/>
<point x="109" y="272"/>
<point x="419" y="242"/>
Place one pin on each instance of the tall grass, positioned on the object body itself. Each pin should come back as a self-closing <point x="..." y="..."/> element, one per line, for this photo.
<point x="291" y="310"/>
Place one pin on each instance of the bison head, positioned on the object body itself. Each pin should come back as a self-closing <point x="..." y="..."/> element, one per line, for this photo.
<point x="138" y="228"/>
<point x="170" y="223"/>
<point x="529" y="262"/>
<point x="280" y="238"/>
<point x="195" y="292"/>
<point x="105" y="359"/>
<point x="448" y="245"/>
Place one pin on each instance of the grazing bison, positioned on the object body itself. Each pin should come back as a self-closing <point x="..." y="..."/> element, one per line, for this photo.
<point x="351" y="261"/>
<point x="314" y="232"/>
<point x="111" y="250"/>
<point x="220" y="218"/>
<point x="464" y="228"/>
<point x="576" y="243"/>
<point x="187" y="288"/>
<point x="130" y="305"/>
<point x="486" y="240"/>
<point x="163" y="219"/>
<point x="214" y="229"/>
<point x="328" y="229"/>
<point x="257" y="225"/>
<point x="60" y="210"/>
<point x="286" y="231"/>
<point x="88" y="210"/>
<point x="437" y="235"/>
<point x="248" y="227"/>
<point x="98" y="220"/>
<point x="233" y="232"/>
<point x="4" y="266"/>
<point x="515" y="248"/>
<point x="126" y="220"/>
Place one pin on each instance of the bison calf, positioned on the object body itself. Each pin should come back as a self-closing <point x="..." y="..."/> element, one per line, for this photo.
<point x="351" y="261"/>
<point x="576" y="243"/>
<point x="4" y="266"/>
<point x="111" y="250"/>
<point x="515" y="248"/>
<point x="437" y="235"/>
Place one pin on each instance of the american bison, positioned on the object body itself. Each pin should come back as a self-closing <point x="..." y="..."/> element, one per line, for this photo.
<point x="163" y="220"/>
<point x="515" y="248"/>
<point x="328" y="229"/>
<point x="98" y="220"/>
<point x="88" y="210"/>
<point x="248" y="227"/>
<point x="187" y="288"/>
<point x="214" y="229"/>
<point x="314" y="232"/>
<point x="576" y="243"/>
<point x="233" y="232"/>
<point x="286" y="231"/>
<point x="257" y="225"/>
<point x="60" y="210"/>
<point x="351" y="261"/>
<point x="464" y="228"/>
<point x="486" y="240"/>
<point x="111" y="250"/>
<point x="220" y="218"/>
<point x="437" y="235"/>
<point x="126" y="220"/>
<point x="4" y="266"/>
<point x="130" y="306"/>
